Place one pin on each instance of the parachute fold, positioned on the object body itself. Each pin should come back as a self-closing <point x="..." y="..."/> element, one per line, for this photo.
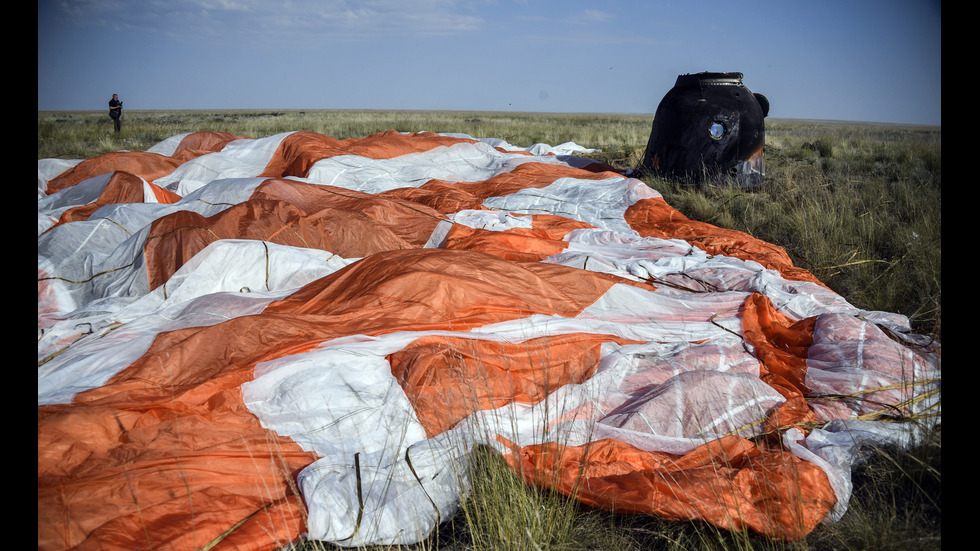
<point x="244" y="340"/>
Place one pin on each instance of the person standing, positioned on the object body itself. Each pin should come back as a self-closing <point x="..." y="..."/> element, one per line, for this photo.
<point x="115" y="111"/>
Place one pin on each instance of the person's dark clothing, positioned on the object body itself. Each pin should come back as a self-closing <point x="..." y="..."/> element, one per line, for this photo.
<point x="115" y="112"/>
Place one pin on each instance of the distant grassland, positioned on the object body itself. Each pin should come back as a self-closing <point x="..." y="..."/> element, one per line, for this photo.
<point x="85" y="134"/>
<point x="859" y="205"/>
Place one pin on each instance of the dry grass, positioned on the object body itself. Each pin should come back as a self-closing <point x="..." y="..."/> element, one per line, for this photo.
<point x="80" y="135"/>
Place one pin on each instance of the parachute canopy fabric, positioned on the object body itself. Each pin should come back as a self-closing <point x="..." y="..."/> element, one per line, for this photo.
<point x="243" y="340"/>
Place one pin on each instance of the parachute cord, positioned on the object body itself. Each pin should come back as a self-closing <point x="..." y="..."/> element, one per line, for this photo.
<point x="123" y="228"/>
<point x="266" y="245"/>
<point x="225" y="534"/>
<point x="419" y="480"/>
<point x="360" y="497"/>
<point x="85" y="280"/>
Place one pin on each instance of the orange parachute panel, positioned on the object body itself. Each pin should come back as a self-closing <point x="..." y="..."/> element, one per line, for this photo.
<point x="148" y="166"/>
<point x="300" y="150"/>
<point x="655" y="218"/>
<point x="731" y="482"/>
<point x="122" y="187"/>
<point x="449" y="378"/>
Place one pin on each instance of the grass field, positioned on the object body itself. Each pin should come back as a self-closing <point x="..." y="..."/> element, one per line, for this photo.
<point x="859" y="205"/>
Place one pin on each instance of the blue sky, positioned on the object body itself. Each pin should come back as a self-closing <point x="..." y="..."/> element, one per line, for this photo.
<point x="866" y="61"/>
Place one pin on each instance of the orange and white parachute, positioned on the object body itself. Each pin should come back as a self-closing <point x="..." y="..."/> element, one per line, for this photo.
<point x="302" y="334"/>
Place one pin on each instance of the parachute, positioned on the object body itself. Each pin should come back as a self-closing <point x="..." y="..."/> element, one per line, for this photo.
<point x="244" y="340"/>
